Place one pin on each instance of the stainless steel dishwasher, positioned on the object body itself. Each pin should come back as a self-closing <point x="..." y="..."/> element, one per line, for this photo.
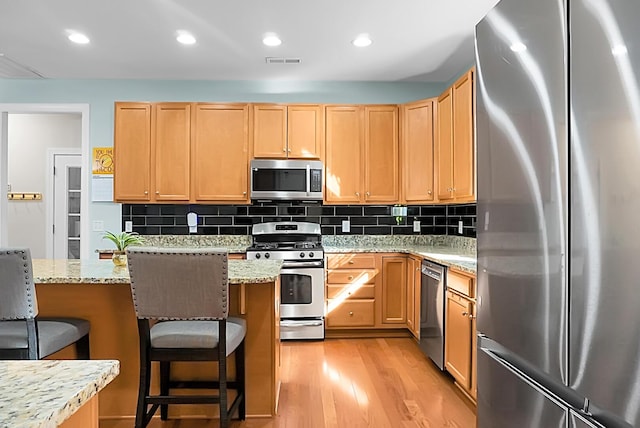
<point x="432" y="311"/>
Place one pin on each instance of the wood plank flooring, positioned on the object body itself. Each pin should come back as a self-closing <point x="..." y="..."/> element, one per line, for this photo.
<point x="355" y="383"/>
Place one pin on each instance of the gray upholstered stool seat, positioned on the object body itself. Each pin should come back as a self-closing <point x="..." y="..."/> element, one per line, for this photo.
<point x="53" y="334"/>
<point x="24" y="335"/>
<point x="197" y="334"/>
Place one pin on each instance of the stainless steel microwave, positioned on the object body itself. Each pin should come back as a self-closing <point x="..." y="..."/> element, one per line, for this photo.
<point x="286" y="179"/>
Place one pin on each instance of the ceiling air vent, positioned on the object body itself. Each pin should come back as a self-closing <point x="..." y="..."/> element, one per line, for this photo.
<point x="280" y="60"/>
<point x="12" y="69"/>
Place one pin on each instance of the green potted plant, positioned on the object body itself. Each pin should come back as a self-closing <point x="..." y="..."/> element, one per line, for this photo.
<point x="122" y="240"/>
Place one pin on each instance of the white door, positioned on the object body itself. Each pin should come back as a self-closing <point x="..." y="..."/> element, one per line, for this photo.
<point x="67" y="177"/>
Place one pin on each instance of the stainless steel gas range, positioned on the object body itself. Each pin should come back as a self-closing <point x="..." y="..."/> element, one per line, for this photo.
<point x="302" y="299"/>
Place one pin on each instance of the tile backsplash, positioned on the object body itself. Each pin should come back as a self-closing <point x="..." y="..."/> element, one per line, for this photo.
<point x="364" y="219"/>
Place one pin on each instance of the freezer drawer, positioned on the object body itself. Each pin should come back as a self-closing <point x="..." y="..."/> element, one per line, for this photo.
<point x="506" y="399"/>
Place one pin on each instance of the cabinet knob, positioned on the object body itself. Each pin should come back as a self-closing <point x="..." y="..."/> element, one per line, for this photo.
<point x="157" y="192"/>
<point x="350" y="277"/>
<point x="351" y="313"/>
<point x="350" y="262"/>
<point x="358" y="194"/>
<point x="146" y="193"/>
<point x="454" y="189"/>
<point x="449" y="189"/>
<point x="472" y="317"/>
<point x="289" y="150"/>
<point x="464" y="314"/>
<point x="284" y="150"/>
<point x="244" y="193"/>
<point x="368" y="194"/>
<point x="429" y="192"/>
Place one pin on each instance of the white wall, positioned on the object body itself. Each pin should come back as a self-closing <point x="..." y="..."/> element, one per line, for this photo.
<point x="30" y="135"/>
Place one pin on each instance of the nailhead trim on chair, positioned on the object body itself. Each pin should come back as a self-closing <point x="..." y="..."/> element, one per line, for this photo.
<point x="27" y="282"/>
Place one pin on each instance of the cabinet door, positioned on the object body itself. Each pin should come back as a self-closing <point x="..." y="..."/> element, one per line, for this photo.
<point x="458" y="339"/>
<point x="394" y="290"/>
<point x="343" y="181"/>
<point x="413" y="266"/>
<point x="381" y="154"/>
<point x="220" y="153"/>
<point x="269" y="131"/>
<point x="171" y="151"/>
<point x="304" y="132"/>
<point x="417" y="152"/>
<point x="444" y="145"/>
<point x="463" y="147"/>
<point x="132" y="152"/>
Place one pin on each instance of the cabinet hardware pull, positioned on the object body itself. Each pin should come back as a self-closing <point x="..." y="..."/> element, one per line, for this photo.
<point x="368" y="194"/>
<point x="351" y="313"/>
<point x="284" y="150"/>
<point x="472" y="317"/>
<point x="146" y="193"/>
<point x="244" y="193"/>
<point x="157" y="192"/>
<point x="289" y="150"/>
<point x="464" y="314"/>
<point x="350" y="262"/>
<point x="428" y="192"/>
<point x="350" y="277"/>
<point x="358" y="194"/>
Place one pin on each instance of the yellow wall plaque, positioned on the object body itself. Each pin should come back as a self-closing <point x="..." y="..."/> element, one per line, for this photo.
<point x="102" y="160"/>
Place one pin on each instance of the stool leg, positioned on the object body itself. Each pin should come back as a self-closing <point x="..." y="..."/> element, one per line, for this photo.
<point x="82" y="348"/>
<point x="240" y="379"/>
<point x="165" y="376"/>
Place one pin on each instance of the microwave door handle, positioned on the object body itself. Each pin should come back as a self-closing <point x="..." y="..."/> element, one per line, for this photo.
<point x="308" y="179"/>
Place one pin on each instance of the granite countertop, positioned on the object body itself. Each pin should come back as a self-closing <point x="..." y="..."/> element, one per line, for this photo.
<point x="44" y="393"/>
<point x="447" y="256"/>
<point x="62" y="271"/>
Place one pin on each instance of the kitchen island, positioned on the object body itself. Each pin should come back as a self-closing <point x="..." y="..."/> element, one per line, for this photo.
<point x="98" y="291"/>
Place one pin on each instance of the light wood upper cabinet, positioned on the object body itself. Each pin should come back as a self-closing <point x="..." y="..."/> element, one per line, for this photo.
<point x="362" y="154"/>
<point x="132" y="152"/>
<point x="444" y="145"/>
<point x="417" y="152"/>
<point x="343" y="154"/>
<point x="170" y="150"/>
<point x="394" y="290"/>
<point x="281" y="131"/>
<point x="151" y="145"/>
<point x="455" y="142"/>
<point x="220" y="153"/>
<point x="381" y="154"/>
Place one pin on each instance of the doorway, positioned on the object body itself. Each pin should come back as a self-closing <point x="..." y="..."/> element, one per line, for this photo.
<point x="66" y="199"/>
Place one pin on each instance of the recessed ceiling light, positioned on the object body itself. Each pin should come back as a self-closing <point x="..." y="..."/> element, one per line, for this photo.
<point x="78" y="38"/>
<point x="185" y="38"/>
<point x="271" y="39"/>
<point x="518" y="47"/>
<point x="362" y="41"/>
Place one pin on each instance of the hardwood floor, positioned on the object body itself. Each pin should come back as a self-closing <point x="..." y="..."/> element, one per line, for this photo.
<point x="355" y="383"/>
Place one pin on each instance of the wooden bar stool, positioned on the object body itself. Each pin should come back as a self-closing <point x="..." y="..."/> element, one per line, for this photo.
<point x="187" y="292"/>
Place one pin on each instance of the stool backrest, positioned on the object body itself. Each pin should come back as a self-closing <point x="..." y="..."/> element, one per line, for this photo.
<point x="17" y="290"/>
<point x="179" y="283"/>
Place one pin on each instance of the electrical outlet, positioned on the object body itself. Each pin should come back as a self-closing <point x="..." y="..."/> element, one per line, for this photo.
<point x="128" y="226"/>
<point x="416" y="225"/>
<point x="98" y="226"/>
<point x="460" y="227"/>
<point x="346" y="226"/>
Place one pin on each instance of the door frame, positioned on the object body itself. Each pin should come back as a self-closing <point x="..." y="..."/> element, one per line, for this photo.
<point x="50" y="206"/>
<point x="83" y="110"/>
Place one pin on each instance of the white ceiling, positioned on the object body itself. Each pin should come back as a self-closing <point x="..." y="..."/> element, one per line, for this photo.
<point x="413" y="40"/>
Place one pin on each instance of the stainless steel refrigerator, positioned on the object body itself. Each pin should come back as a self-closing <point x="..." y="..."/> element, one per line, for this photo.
<point x="558" y="140"/>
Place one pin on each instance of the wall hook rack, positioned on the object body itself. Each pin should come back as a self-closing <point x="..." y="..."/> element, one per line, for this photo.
<point x="24" y="196"/>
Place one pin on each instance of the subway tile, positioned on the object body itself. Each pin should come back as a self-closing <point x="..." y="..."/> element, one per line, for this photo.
<point x="152" y="221"/>
<point x="377" y="230"/>
<point x="308" y="219"/>
<point x="174" y="210"/>
<point x="374" y="210"/>
<point x="328" y="230"/>
<point x="413" y="211"/>
<point x="439" y="230"/>
<point x="349" y="210"/>
<point x="440" y="221"/>
<point x="138" y="220"/>
<point x="439" y="210"/>
<point x="271" y="219"/>
<point x="174" y="230"/>
<point x="388" y="221"/>
<point x="224" y="230"/>
<point x="147" y="230"/>
<point x="262" y="211"/>
<point x="243" y="221"/>
<point x="217" y="221"/>
<point x="403" y="230"/>
<point x="204" y="209"/>
<point x="364" y="220"/>
<point x="332" y="220"/>
<point x="208" y="230"/>
<point x="291" y="211"/>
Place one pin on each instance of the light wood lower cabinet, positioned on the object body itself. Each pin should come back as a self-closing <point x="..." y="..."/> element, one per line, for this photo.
<point x="413" y="295"/>
<point x="394" y="290"/>
<point x="460" y="333"/>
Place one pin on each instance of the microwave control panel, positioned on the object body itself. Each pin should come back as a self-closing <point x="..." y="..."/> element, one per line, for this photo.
<point x="316" y="180"/>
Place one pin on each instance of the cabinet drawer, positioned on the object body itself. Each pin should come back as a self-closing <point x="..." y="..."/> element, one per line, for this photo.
<point x="460" y="283"/>
<point x="348" y="276"/>
<point x="351" y="314"/>
<point x="351" y="261"/>
<point x="347" y="291"/>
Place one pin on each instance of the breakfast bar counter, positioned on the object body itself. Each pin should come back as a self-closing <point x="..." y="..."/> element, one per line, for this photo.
<point x="98" y="291"/>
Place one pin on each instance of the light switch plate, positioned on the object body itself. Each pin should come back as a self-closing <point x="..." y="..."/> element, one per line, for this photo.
<point x="416" y="225"/>
<point x="460" y="227"/>
<point x="128" y="226"/>
<point x="98" y="226"/>
<point x="346" y="226"/>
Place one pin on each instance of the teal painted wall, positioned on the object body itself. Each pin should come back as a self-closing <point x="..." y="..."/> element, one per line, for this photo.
<point x="101" y="94"/>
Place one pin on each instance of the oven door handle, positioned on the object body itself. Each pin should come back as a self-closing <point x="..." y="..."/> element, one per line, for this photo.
<point x="311" y="323"/>
<point x="308" y="179"/>
<point x="302" y="264"/>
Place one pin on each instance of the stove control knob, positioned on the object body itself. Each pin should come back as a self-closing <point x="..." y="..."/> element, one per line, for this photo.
<point x="311" y="254"/>
<point x="267" y="255"/>
<point x="257" y="255"/>
<point x="301" y="255"/>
